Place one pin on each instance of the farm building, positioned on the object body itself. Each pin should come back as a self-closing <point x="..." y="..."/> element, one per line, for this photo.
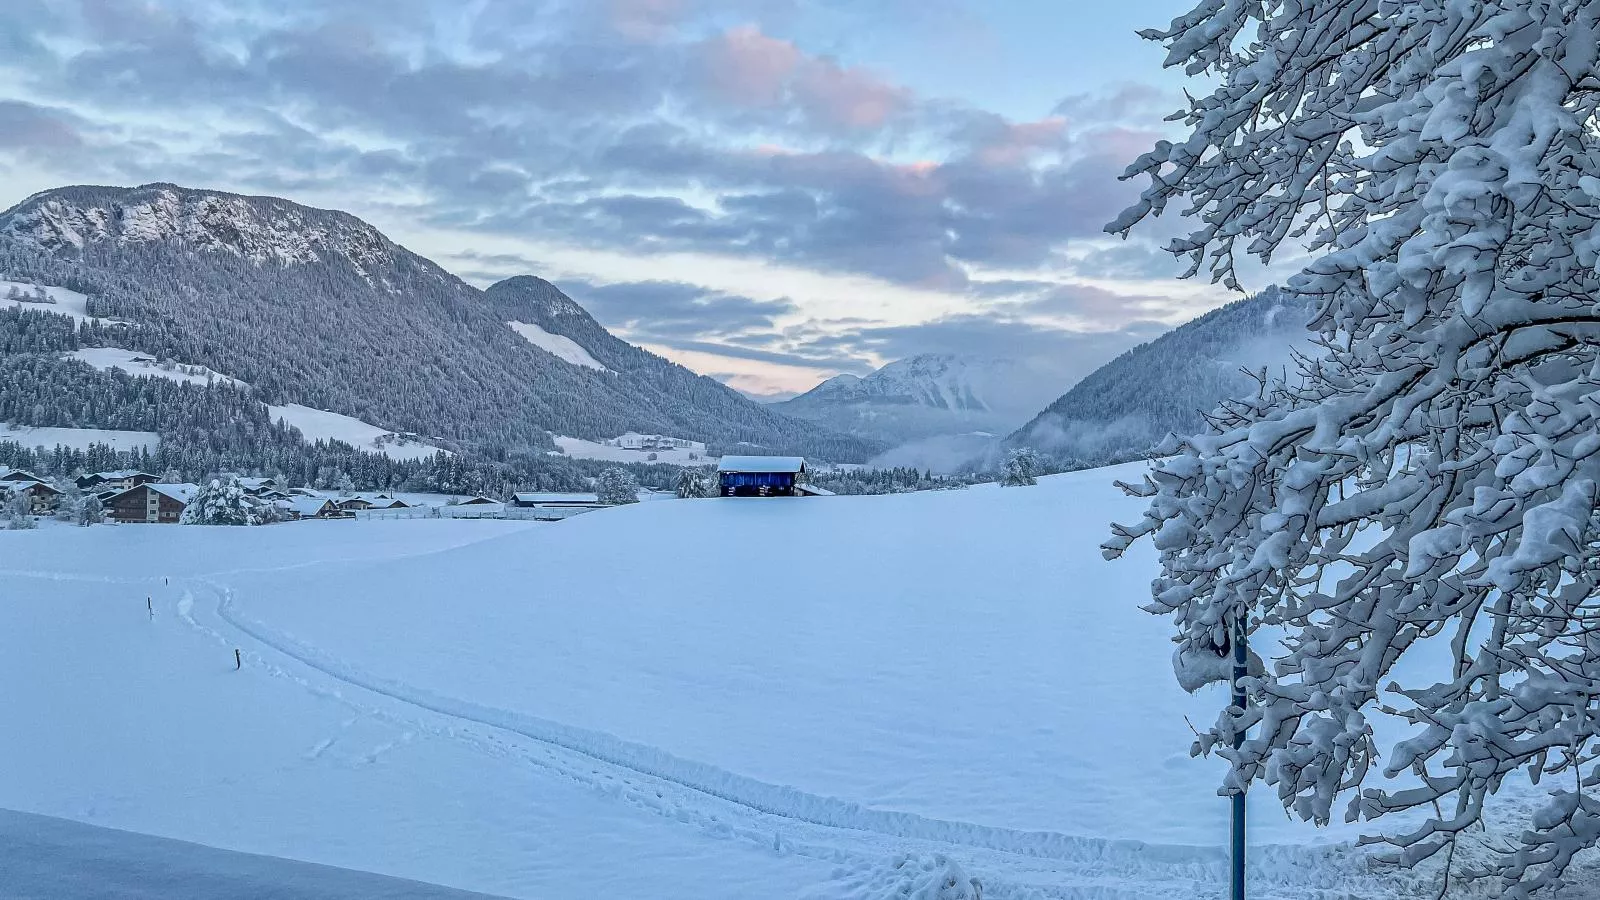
<point x="387" y="503"/>
<point x="150" y="502"/>
<point x="761" y="476"/>
<point x="353" y="504"/>
<point x="477" y="501"/>
<point x="549" y="506"/>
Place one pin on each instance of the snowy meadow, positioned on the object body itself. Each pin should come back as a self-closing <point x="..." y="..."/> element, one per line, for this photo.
<point x="918" y="695"/>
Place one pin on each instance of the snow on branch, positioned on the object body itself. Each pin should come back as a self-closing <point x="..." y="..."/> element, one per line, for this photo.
<point x="1432" y="475"/>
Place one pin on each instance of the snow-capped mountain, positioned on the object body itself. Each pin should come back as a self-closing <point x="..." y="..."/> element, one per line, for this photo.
<point x="926" y="395"/>
<point x="1130" y="404"/>
<point x="258" y="229"/>
<point x="318" y="308"/>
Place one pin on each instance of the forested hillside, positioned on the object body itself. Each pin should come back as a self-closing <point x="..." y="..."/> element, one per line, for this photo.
<point x="1130" y="404"/>
<point x="318" y="308"/>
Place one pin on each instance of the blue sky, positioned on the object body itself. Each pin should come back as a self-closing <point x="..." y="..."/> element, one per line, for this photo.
<point x="769" y="191"/>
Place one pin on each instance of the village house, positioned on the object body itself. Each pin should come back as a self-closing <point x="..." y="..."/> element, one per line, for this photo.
<point x="42" y="498"/>
<point x="353" y="504"/>
<point x="9" y="477"/>
<point x="120" y="480"/>
<point x="313" y="508"/>
<point x="761" y="476"/>
<point x="163" y="503"/>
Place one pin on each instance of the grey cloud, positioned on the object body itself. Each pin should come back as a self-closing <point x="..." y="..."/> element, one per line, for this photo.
<point x="547" y="119"/>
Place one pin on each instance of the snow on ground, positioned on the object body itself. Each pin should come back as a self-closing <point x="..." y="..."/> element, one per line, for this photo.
<point x="68" y="303"/>
<point x="317" y="424"/>
<point x="861" y="697"/>
<point x="77" y="438"/>
<point x="45" y="858"/>
<point x="578" y="448"/>
<point x="105" y="358"/>
<point x="559" y="345"/>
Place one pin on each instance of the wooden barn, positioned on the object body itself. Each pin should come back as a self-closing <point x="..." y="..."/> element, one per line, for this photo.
<point x="761" y="476"/>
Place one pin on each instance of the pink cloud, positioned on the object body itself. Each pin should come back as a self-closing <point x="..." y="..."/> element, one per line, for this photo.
<point x="646" y="20"/>
<point x="754" y="70"/>
<point x="1016" y="142"/>
<point x="852" y="98"/>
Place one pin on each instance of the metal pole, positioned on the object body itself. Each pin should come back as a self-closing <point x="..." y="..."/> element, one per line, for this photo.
<point x="1240" y="670"/>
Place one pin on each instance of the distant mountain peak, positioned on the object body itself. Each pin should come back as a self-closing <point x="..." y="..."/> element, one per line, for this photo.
<point x="259" y="229"/>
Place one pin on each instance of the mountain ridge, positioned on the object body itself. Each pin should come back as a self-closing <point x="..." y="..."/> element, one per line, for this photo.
<point x="319" y="307"/>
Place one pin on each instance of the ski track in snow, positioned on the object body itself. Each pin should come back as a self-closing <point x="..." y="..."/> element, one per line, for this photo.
<point x="1011" y="864"/>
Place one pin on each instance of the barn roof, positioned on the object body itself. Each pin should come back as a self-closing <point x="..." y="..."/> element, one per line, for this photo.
<point x="780" y="464"/>
<point x="535" y="497"/>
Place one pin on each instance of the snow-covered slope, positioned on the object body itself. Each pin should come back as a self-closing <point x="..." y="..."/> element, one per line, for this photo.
<point x="563" y="347"/>
<point x="940" y="687"/>
<point x="320" y="308"/>
<point x="321" y="425"/>
<point x="577" y="448"/>
<point x="1130" y="404"/>
<point x="931" y="394"/>
<point x="78" y="438"/>
<point x="67" y="303"/>
<point x="104" y="358"/>
<point x="58" y="859"/>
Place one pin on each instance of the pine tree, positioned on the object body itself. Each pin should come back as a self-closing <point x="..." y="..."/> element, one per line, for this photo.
<point x="616" y="487"/>
<point x="694" y="482"/>
<point x="224" y="502"/>
<point x="1020" y="468"/>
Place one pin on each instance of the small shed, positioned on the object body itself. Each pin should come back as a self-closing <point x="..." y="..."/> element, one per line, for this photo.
<point x="760" y="476"/>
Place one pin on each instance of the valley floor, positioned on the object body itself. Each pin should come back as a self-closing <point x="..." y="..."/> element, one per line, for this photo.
<point x="856" y="697"/>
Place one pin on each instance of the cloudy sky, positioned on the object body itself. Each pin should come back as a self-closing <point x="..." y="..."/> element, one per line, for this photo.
<point x="769" y="191"/>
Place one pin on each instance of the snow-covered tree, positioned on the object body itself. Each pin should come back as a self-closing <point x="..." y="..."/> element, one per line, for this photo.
<point x="1020" y="468"/>
<point x="67" y="503"/>
<point x="694" y="482"/>
<point x="616" y="487"/>
<point x="224" y="502"/>
<point x="89" y="510"/>
<point x="1434" y="476"/>
<point x="19" y="512"/>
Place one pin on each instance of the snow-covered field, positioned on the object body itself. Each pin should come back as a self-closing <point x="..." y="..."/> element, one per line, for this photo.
<point x="68" y="303"/>
<point x="105" y="358"/>
<point x="559" y="345"/>
<point x="858" y="697"/>
<point x="578" y="448"/>
<point x="317" y="424"/>
<point x="77" y="438"/>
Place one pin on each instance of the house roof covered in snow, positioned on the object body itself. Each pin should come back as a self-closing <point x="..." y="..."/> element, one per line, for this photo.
<point x="9" y="474"/>
<point x="120" y="474"/>
<point x="780" y="464"/>
<point x="534" y="497"/>
<point x="182" y="492"/>
<point x="306" y="506"/>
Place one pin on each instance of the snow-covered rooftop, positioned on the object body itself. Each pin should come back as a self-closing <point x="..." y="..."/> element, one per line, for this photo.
<point x="305" y="506"/>
<point x="182" y="493"/>
<point x="534" y="497"/>
<point x="783" y="464"/>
